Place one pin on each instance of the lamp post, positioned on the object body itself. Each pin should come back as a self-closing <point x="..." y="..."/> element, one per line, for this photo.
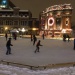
<point x="23" y="30"/>
<point x="34" y="30"/>
<point x="6" y="28"/>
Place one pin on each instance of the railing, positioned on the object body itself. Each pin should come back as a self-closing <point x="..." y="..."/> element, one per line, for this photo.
<point x="72" y="64"/>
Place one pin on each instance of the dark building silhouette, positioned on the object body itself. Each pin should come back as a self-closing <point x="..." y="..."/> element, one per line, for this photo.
<point x="12" y="17"/>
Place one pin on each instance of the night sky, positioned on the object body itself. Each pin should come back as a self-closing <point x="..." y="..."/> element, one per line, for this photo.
<point x="36" y="6"/>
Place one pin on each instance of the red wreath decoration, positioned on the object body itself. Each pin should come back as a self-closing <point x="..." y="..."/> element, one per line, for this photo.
<point x="50" y="21"/>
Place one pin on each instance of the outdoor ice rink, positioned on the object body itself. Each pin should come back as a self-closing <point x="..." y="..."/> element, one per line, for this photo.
<point x="53" y="51"/>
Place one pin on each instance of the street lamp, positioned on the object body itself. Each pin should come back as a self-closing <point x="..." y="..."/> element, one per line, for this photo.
<point x="23" y="30"/>
<point x="6" y="28"/>
<point x="34" y="30"/>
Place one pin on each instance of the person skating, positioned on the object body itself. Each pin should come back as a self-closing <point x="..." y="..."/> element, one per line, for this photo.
<point x="74" y="43"/>
<point x="64" y="37"/>
<point x="68" y="38"/>
<point x="8" y="45"/>
<point x="6" y="36"/>
<point x="37" y="46"/>
<point x="34" y="39"/>
<point x="43" y="36"/>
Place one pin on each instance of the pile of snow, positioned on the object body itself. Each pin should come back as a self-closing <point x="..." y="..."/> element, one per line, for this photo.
<point x="12" y="70"/>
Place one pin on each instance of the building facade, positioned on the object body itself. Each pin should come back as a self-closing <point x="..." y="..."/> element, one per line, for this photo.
<point x="56" y="20"/>
<point x="12" y="17"/>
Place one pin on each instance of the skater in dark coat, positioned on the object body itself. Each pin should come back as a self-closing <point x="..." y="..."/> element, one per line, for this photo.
<point x="37" y="46"/>
<point x="64" y="37"/>
<point x="43" y="36"/>
<point x="68" y="38"/>
<point x="34" y="39"/>
<point x="74" y="43"/>
<point x="8" y="45"/>
<point x="6" y="36"/>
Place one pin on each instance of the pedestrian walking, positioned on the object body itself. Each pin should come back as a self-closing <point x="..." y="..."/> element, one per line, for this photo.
<point x="37" y="46"/>
<point x="34" y="39"/>
<point x="6" y="36"/>
<point x="15" y="36"/>
<point x="64" y="37"/>
<point x="74" y="43"/>
<point x="68" y="38"/>
<point x="43" y="36"/>
<point x="8" y="45"/>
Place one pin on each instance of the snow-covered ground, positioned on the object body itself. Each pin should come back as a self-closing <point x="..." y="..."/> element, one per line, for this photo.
<point x="11" y="70"/>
